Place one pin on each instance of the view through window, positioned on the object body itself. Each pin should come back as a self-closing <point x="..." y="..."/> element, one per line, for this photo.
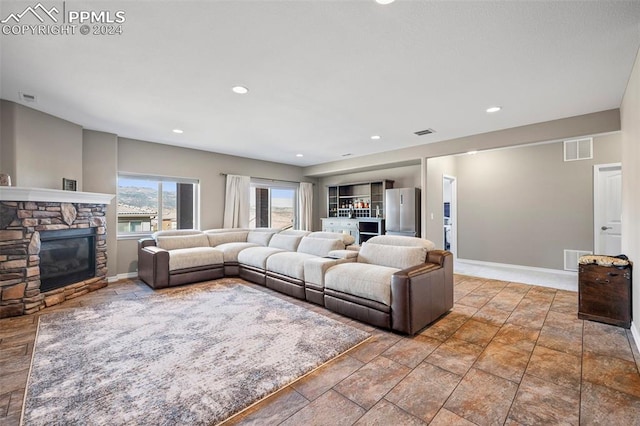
<point x="148" y="204"/>
<point x="273" y="206"/>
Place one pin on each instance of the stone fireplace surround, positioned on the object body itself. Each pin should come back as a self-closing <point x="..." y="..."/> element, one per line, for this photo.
<point x="24" y="213"/>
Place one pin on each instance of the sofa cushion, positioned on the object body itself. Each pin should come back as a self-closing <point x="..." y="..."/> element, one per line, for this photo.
<point x="346" y="238"/>
<point x="392" y="256"/>
<point x="174" y="242"/>
<point x="260" y="237"/>
<point x="296" y="232"/>
<point x="371" y="282"/>
<point x="257" y="256"/>
<point x="174" y="232"/>
<point x="399" y="240"/>
<point x="319" y="246"/>
<point x="230" y="251"/>
<point x="194" y="257"/>
<point x="288" y="263"/>
<point x="285" y="242"/>
<point x="217" y="238"/>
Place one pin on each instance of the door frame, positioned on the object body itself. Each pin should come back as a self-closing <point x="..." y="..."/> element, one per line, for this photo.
<point x="453" y="212"/>
<point x="598" y="169"/>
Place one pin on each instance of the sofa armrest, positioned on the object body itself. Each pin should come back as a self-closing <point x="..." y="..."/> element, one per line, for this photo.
<point x="421" y="294"/>
<point x="146" y="242"/>
<point x="439" y="257"/>
<point x="153" y="266"/>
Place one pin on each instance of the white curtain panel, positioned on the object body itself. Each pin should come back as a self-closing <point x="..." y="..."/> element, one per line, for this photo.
<point x="305" y="201"/>
<point x="236" y="202"/>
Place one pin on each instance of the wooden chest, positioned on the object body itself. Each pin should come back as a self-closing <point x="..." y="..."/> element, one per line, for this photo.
<point x="605" y="294"/>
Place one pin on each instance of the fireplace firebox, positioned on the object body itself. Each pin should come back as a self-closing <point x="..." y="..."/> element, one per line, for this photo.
<point x="66" y="256"/>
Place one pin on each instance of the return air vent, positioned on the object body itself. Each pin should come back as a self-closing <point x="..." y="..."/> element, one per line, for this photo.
<point x="578" y="149"/>
<point x="425" y="132"/>
<point x="25" y="97"/>
<point x="571" y="259"/>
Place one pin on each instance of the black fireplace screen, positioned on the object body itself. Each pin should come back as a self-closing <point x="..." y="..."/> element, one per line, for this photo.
<point x="66" y="256"/>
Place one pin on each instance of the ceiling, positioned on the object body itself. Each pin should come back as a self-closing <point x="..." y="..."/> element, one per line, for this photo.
<point x="324" y="76"/>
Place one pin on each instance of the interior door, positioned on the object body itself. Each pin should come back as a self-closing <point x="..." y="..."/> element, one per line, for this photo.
<point x="607" y="209"/>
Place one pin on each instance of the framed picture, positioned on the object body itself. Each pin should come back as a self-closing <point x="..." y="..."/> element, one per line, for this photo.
<point x="69" y="184"/>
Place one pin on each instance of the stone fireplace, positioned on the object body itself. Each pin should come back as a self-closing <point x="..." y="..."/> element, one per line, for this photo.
<point x="50" y="250"/>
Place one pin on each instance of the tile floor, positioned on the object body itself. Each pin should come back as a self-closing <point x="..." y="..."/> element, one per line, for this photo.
<point x="508" y="353"/>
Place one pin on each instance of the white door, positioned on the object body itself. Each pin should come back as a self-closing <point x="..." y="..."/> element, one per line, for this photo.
<point x="449" y="198"/>
<point x="607" y="204"/>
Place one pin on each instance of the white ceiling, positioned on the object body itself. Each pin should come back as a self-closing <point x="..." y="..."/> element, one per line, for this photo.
<point x="324" y="76"/>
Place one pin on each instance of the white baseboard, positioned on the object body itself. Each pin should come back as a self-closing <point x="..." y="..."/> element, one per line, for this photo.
<point x="566" y="280"/>
<point x="124" y="276"/>
<point x="522" y="267"/>
<point x="635" y="332"/>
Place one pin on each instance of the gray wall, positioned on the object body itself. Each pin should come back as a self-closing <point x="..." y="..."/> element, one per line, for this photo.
<point x="630" y="117"/>
<point x="136" y="156"/>
<point x="524" y="206"/>
<point x="41" y="149"/>
<point x="7" y="138"/>
<point x="99" y="171"/>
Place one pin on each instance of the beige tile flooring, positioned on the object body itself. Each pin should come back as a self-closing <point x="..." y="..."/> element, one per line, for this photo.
<point x="507" y="353"/>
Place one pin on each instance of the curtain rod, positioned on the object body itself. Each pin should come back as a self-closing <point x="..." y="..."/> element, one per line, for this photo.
<point x="271" y="179"/>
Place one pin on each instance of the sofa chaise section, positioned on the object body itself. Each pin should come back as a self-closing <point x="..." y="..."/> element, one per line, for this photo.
<point x="174" y="258"/>
<point x="231" y="241"/>
<point x="285" y="271"/>
<point x="253" y="260"/>
<point x="399" y="283"/>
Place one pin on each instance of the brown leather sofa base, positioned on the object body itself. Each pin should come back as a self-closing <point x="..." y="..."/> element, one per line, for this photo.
<point x="192" y="275"/>
<point x="286" y="285"/>
<point x="231" y="269"/>
<point x="253" y="274"/>
<point x="357" y="311"/>
<point x="314" y="294"/>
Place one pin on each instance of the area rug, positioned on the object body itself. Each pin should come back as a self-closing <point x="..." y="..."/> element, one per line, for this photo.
<point x="193" y="357"/>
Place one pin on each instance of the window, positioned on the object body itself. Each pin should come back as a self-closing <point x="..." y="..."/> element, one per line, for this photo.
<point x="273" y="205"/>
<point x="151" y="203"/>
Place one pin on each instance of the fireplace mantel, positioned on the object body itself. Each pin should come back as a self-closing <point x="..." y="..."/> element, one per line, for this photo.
<point x="16" y="193"/>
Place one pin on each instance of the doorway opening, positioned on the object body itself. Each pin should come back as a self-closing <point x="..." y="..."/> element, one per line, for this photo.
<point x="450" y="214"/>
<point x="607" y="209"/>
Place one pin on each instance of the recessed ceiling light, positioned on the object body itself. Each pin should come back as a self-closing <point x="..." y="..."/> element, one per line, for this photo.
<point x="472" y="152"/>
<point x="375" y="137"/>
<point x="299" y="155"/>
<point x="178" y="131"/>
<point x="241" y="90"/>
<point x="385" y="1"/>
<point x="494" y="109"/>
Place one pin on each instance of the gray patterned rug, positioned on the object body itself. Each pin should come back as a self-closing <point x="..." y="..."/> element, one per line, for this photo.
<point x="192" y="357"/>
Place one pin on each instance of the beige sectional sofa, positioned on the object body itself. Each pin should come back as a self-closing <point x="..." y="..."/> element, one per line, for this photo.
<point x="399" y="283"/>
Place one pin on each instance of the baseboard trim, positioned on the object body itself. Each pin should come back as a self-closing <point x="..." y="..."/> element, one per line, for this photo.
<point x="522" y="267"/>
<point x="636" y="334"/>
<point x="533" y="269"/>
<point x="124" y="276"/>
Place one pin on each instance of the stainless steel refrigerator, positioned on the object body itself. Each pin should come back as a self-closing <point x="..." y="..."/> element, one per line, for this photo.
<point x="402" y="211"/>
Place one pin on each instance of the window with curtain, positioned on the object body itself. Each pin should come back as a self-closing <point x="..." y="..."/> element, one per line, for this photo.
<point x="273" y="204"/>
<point x="147" y="204"/>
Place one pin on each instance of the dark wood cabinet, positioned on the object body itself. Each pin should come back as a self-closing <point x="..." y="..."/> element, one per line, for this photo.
<point x="605" y="294"/>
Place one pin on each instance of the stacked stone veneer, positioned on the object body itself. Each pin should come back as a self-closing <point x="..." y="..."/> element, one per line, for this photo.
<point x="20" y="227"/>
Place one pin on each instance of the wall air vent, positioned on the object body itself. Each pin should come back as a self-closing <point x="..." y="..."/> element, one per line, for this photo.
<point x="25" y="97"/>
<point x="578" y="149"/>
<point x="425" y="132"/>
<point x="571" y="258"/>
